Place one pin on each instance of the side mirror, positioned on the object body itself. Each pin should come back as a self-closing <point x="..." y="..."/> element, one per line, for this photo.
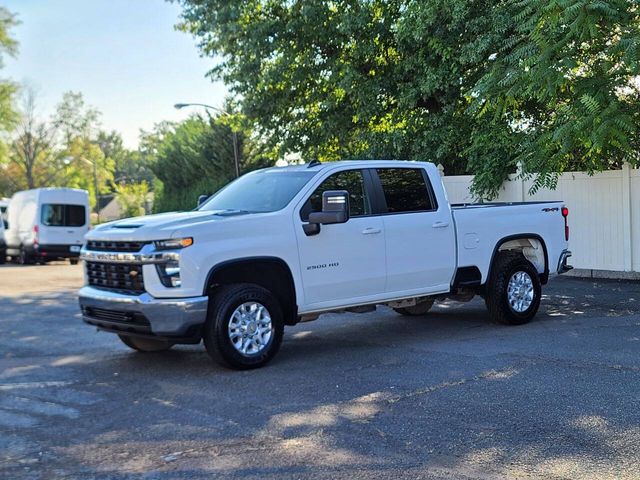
<point x="335" y="209"/>
<point x="202" y="199"/>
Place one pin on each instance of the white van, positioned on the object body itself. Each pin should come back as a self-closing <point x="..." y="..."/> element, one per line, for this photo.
<point x="47" y="224"/>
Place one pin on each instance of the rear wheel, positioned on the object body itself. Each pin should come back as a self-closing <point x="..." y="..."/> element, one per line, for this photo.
<point x="24" y="258"/>
<point x="514" y="290"/>
<point x="73" y="261"/>
<point x="244" y="326"/>
<point x="145" y="345"/>
<point x="416" y="310"/>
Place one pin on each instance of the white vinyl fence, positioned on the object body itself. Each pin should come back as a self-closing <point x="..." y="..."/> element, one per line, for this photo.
<point x="604" y="213"/>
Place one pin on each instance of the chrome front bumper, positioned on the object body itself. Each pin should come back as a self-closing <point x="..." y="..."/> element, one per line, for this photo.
<point x="144" y="315"/>
<point x="562" y="262"/>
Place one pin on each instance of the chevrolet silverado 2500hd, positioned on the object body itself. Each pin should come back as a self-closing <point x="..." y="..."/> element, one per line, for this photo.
<point x="283" y="245"/>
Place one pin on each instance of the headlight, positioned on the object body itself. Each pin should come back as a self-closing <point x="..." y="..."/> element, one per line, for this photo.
<point x="173" y="243"/>
<point x="169" y="274"/>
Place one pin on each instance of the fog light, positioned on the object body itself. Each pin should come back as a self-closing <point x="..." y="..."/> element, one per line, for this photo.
<point x="169" y="274"/>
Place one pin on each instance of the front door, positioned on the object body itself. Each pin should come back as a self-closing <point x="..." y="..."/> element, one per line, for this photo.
<point x="344" y="263"/>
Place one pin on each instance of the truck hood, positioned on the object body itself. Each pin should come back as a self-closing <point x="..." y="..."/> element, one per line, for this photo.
<point x="152" y="227"/>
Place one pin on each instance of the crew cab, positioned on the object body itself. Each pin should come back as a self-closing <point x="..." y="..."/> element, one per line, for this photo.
<point x="284" y="245"/>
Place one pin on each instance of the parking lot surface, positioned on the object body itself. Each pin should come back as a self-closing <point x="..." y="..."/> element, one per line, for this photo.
<point x="376" y="395"/>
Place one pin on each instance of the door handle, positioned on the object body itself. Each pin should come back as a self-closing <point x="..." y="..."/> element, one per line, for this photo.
<point x="440" y="224"/>
<point x="371" y="231"/>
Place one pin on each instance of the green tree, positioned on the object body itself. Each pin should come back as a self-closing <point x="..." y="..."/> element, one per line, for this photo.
<point x="195" y="157"/>
<point x="57" y="152"/>
<point x="33" y="156"/>
<point x="567" y="79"/>
<point x="8" y="89"/>
<point x="132" y="198"/>
<point x="130" y="166"/>
<point x="475" y="85"/>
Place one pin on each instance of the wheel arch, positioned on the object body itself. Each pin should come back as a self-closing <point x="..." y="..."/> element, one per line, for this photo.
<point x="271" y="273"/>
<point x="531" y="245"/>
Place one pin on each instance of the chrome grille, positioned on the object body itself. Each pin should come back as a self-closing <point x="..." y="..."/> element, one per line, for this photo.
<point x="120" y="277"/>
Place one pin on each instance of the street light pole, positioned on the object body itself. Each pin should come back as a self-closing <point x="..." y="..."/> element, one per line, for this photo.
<point x="95" y="186"/>
<point x="236" y="160"/>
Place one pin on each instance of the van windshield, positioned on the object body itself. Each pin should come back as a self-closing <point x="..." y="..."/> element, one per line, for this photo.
<point x="63" y="215"/>
<point x="259" y="192"/>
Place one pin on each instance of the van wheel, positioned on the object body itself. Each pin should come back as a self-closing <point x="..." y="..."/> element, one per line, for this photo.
<point x="244" y="326"/>
<point x="421" y="308"/>
<point x="145" y="345"/>
<point x="24" y="258"/>
<point x="514" y="292"/>
<point x="73" y="261"/>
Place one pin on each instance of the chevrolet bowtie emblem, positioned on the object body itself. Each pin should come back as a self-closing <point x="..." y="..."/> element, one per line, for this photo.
<point x="133" y="273"/>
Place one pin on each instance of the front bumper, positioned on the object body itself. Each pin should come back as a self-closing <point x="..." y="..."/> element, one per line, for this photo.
<point x="179" y="320"/>
<point x="562" y="262"/>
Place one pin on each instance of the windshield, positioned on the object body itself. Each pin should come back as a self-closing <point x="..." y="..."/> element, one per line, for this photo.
<point x="259" y="192"/>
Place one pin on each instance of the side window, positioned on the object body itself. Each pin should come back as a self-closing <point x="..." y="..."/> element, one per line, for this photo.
<point x="405" y="190"/>
<point x="350" y="180"/>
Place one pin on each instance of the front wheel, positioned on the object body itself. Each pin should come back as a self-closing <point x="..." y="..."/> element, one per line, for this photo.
<point x="244" y="326"/>
<point x="514" y="290"/>
<point x="145" y="345"/>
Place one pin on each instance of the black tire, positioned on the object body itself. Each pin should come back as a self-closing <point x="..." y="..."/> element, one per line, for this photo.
<point x="505" y="267"/>
<point x="74" y="261"/>
<point x="24" y="258"/>
<point x="3" y="256"/>
<point x="216" y="335"/>
<point x="417" y="310"/>
<point x="145" y="345"/>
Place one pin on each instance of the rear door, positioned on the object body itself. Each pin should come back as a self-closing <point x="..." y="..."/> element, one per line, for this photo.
<point x="344" y="263"/>
<point x="62" y="224"/>
<point x="419" y="233"/>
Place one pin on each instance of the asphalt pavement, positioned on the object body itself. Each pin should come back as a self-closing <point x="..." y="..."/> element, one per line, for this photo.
<point x="375" y="395"/>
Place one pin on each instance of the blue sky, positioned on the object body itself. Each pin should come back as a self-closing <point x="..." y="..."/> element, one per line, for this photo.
<point x="123" y="55"/>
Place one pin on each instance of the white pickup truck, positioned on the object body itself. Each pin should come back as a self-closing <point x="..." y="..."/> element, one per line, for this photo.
<point x="283" y="245"/>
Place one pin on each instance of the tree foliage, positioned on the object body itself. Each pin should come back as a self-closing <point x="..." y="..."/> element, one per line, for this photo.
<point x="196" y="157"/>
<point x="60" y="151"/>
<point x="132" y="198"/>
<point x="8" y="89"/>
<point x="475" y="85"/>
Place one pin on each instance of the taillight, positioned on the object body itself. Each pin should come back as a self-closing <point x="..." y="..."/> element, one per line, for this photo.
<point x="565" y="214"/>
<point x="35" y="233"/>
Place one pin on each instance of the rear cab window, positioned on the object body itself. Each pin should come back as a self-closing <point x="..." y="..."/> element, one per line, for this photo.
<point x="63" y="215"/>
<point x="406" y="190"/>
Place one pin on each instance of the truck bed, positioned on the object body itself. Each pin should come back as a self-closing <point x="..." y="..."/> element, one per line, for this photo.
<point x="480" y="227"/>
